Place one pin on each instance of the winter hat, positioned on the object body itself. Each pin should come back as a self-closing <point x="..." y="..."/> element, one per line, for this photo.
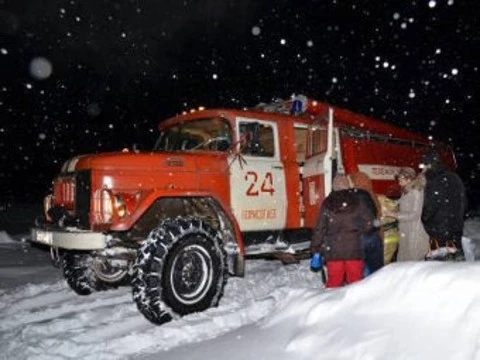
<point x="340" y="182"/>
<point x="430" y="158"/>
<point x="407" y="173"/>
<point x="361" y="180"/>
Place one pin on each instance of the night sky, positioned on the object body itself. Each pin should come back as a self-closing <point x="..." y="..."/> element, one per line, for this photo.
<point x="83" y="76"/>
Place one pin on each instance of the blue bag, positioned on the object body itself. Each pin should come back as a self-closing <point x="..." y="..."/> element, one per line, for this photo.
<point x="316" y="265"/>
<point x="316" y="262"/>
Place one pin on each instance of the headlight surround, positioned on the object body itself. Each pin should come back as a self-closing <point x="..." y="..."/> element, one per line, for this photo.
<point x="106" y="205"/>
<point x="112" y="206"/>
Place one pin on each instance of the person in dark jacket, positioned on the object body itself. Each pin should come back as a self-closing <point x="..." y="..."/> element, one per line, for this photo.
<point x="342" y="221"/>
<point x="372" y="242"/>
<point x="444" y="203"/>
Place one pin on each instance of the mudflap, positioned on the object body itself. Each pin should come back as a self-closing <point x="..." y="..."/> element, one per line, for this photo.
<point x="55" y="257"/>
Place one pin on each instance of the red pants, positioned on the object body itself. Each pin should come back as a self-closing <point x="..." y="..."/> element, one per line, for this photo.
<point x="341" y="271"/>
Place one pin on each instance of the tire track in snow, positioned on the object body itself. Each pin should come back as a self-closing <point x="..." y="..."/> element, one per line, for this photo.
<point x="63" y="303"/>
<point x="54" y="323"/>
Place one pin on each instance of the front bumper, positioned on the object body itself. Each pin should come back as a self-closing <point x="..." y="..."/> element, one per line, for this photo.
<point x="72" y="239"/>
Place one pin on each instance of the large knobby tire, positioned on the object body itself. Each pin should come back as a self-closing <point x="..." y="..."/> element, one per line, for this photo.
<point x="181" y="269"/>
<point x="77" y="270"/>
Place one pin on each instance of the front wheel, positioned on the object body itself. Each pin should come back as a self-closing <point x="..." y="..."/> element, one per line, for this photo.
<point x="179" y="270"/>
<point x="78" y="271"/>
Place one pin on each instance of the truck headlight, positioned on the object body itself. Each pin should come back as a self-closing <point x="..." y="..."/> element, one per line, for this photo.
<point x="124" y="204"/>
<point x="120" y="206"/>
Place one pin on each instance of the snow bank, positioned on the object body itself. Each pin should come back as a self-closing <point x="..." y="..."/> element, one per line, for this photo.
<point x="5" y="238"/>
<point x="424" y="310"/>
<point x="405" y="311"/>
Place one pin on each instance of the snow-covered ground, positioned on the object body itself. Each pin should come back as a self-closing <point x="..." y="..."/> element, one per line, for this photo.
<point x="421" y="310"/>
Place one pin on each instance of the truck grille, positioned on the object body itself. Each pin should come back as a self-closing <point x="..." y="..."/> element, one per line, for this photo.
<point x="72" y="192"/>
<point x="82" y="197"/>
<point x="64" y="192"/>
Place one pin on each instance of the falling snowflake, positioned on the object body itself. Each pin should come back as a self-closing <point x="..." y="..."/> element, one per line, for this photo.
<point x="93" y="109"/>
<point x="256" y="30"/>
<point x="40" y="68"/>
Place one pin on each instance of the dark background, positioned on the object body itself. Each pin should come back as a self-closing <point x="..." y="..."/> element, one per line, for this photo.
<point x="119" y="67"/>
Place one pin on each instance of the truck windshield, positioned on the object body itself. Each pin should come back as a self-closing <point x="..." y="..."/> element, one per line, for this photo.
<point x="201" y="134"/>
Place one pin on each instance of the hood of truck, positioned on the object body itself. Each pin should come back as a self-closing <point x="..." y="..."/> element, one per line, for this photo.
<point x="133" y="172"/>
<point x="143" y="161"/>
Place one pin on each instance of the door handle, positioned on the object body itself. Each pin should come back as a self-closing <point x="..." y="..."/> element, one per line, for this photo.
<point x="277" y="167"/>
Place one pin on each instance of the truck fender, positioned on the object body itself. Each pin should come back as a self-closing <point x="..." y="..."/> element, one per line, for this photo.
<point x="154" y="197"/>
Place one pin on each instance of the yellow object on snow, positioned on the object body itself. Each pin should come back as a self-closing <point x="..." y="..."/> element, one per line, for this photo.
<point x="391" y="235"/>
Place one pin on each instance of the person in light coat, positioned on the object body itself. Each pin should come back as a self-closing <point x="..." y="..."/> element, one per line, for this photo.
<point x="414" y="241"/>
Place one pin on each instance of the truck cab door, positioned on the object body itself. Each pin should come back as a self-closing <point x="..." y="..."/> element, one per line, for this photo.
<point x="320" y="167"/>
<point x="257" y="177"/>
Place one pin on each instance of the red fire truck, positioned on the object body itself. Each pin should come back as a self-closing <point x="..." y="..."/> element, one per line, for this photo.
<point x="219" y="185"/>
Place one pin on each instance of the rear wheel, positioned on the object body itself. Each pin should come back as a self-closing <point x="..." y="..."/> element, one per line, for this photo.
<point x="180" y="269"/>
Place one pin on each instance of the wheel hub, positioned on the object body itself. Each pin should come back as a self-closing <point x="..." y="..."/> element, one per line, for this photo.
<point x="191" y="274"/>
<point x="108" y="270"/>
